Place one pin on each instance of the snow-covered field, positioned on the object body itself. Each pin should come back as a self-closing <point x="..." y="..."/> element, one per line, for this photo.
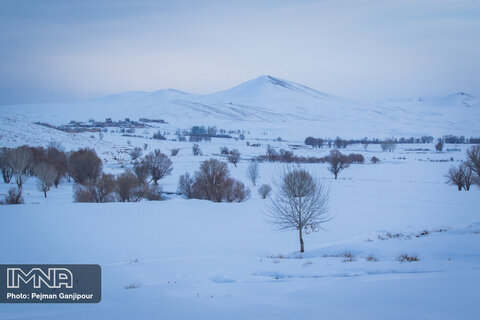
<point x="193" y="259"/>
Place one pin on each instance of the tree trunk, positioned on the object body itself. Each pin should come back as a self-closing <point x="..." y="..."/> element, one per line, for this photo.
<point x="459" y="188"/>
<point x="302" y="249"/>
<point x="45" y="193"/>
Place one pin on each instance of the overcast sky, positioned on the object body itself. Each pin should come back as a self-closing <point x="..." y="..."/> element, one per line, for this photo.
<point x="60" y="50"/>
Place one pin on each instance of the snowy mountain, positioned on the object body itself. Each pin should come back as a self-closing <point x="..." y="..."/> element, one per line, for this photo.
<point x="268" y="103"/>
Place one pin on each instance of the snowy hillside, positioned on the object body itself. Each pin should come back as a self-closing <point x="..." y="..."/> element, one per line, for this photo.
<point x="278" y="105"/>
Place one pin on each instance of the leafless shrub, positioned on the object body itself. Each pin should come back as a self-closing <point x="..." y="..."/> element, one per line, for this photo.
<point x="371" y="258"/>
<point x="235" y="191"/>
<point x="5" y="167"/>
<point x="455" y="176"/>
<point x="14" y="196"/>
<point x="473" y="160"/>
<point x="468" y="176"/>
<point x="209" y="179"/>
<point x="104" y="188"/>
<point x="135" y="153"/>
<point x="264" y="190"/>
<point x="153" y="193"/>
<point x="439" y="145"/>
<point x="159" y="165"/>
<point x="196" y="150"/>
<point x="337" y="162"/>
<point x="21" y="161"/>
<point x="174" y="152"/>
<point x="224" y="150"/>
<point x="234" y="157"/>
<point x="46" y="174"/>
<point x="253" y="172"/>
<point x="141" y="170"/>
<point x="375" y="160"/>
<point x="82" y="193"/>
<point x="407" y="258"/>
<point x="348" y="257"/>
<point x="388" y="145"/>
<point x="355" y="158"/>
<point x="212" y="182"/>
<point x="84" y="166"/>
<point x="300" y="201"/>
<point x="128" y="188"/>
<point x="186" y="186"/>
<point x="59" y="159"/>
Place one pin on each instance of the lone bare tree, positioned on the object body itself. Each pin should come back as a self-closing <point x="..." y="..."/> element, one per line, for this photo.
<point x="46" y="174"/>
<point x="300" y="202"/>
<point x="337" y="162"/>
<point x="253" y="172"/>
<point x="5" y="167"/>
<point x="234" y="157"/>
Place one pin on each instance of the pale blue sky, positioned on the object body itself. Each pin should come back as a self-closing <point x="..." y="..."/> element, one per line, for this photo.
<point x="60" y="50"/>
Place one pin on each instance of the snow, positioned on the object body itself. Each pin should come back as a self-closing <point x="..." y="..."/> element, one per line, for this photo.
<point x="187" y="259"/>
<point x="266" y="103"/>
<point x="197" y="259"/>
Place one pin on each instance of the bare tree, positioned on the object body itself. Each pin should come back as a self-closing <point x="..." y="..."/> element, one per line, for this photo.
<point x="196" y="150"/>
<point x="159" y="164"/>
<point x="84" y="166"/>
<point x="135" y="153"/>
<point x="21" y="161"/>
<point x="186" y="186"/>
<point x="439" y="145"/>
<point x="264" y="190"/>
<point x="46" y="174"/>
<point x="5" y="167"/>
<point x="388" y="145"/>
<point x="337" y="162"/>
<point x="234" y="157"/>
<point x="105" y="187"/>
<point x="300" y="202"/>
<point x="473" y="159"/>
<point x="209" y="179"/>
<point x="127" y="187"/>
<point x="455" y="176"/>
<point x="253" y="172"/>
<point x="141" y="170"/>
<point x="468" y="177"/>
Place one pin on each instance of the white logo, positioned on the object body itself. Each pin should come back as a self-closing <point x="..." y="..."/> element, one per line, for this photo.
<point x="54" y="278"/>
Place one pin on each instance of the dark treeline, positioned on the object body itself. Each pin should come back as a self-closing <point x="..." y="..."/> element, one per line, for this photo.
<point x="340" y="143"/>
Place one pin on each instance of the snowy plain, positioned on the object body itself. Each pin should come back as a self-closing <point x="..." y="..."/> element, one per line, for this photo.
<point x="194" y="259"/>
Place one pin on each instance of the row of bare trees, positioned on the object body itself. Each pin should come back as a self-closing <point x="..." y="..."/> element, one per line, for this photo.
<point x="129" y="186"/>
<point x="468" y="172"/>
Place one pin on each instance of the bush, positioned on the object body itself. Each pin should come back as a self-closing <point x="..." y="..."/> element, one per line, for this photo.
<point x="174" y="152"/>
<point x="264" y="190"/>
<point x="196" y="150"/>
<point x="159" y="165"/>
<point x="104" y="188"/>
<point x="135" y="153"/>
<point x="234" y="157"/>
<point x="14" y="196"/>
<point x="375" y="160"/>
<point x="84" y="166"/>
<point x="388" y="145"/>
<point x="224" y="150"/>
<point x="186" y="186"/>
<point x="407" y="258"/>
<point x="82" y="193"/>
<point x="128" y="188"/>
<point x="153" y="193"/>
<point x="159" y="136"/>
<point x="212" y="182"/>
<point x="439" y="145"/>
<point x="142" y="171"/>
<point x="355" y="158"/>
